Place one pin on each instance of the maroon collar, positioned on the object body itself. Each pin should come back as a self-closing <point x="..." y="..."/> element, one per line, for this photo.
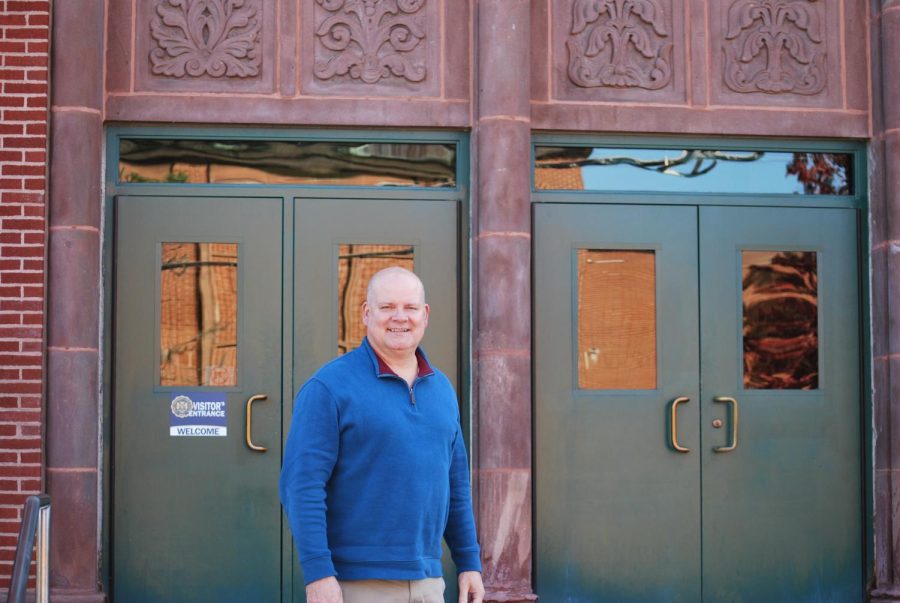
<point x="424" y="369"/>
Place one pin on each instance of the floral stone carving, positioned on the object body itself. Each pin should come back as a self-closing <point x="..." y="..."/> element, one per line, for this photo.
<point x="619" y="43"/>
<point x="370" y="40"/>
<point x="206" y="37"/>
<point x="775" y="46"/>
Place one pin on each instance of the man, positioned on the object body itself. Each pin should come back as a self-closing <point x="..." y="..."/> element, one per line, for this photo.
<point x="375" y="468"/>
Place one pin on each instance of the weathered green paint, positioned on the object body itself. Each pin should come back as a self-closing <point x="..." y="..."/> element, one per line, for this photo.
<point x="196" y="518"/>
<point x="618" y="514"/>
<point x="617" y="509"/>
<point x="782" y="514"/>
<point x="320" y="226"/>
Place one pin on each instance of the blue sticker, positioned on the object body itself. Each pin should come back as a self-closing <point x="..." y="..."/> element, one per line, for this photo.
<point x="198" y="414"/>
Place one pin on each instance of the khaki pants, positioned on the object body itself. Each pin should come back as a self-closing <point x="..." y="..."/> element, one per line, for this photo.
<point x="429" y="590"/>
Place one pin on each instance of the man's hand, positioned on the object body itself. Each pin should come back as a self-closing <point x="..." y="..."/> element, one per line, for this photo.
<point x="471" y="590"/>
<point x="327" y="590"/>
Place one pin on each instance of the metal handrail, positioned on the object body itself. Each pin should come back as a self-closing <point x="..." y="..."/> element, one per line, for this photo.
<point x="36" y="521"/>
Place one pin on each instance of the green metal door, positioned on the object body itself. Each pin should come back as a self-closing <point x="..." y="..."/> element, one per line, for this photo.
<point x="196" y="517"/>
<point x="782" y="512"/>
<point x="617" y="507"/>
<point x="749" y="489"/>
<point x="339" y="243"/>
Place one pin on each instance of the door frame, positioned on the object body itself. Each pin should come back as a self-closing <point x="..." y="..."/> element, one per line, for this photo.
<point x="858" y="201"/>
<point x="113" y="188"/>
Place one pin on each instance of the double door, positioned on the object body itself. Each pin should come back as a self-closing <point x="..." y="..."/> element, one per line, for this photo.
<point x="697" y="404"/>
<point x="223" y="307"/>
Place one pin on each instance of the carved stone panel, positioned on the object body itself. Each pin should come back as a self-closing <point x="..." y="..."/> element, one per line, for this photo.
<point x="776" y="52"/>
<point x="619" y="50"/>
<point x="205" y="45"/>
<point x="371" y="47"/>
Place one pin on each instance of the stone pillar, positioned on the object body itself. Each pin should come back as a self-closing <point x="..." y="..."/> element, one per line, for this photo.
<point x="502" y="297"/>
<point x="885" y="203"/>
<point x="73" y="332"/>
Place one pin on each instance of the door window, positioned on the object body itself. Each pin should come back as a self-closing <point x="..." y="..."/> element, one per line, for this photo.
<point x="616" y="319"/>
<point x="781" y="327"/>
<point x="356" y="265"/>
<point x="198" y="314"/>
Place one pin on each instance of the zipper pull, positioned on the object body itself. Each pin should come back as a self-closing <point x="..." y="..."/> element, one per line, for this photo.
<point x="412" y="396"/>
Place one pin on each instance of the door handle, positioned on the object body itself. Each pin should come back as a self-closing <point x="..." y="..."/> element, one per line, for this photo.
<point x="673" y="424"/>
<point x="250" y="443"/>
<point x="735" y="417"/>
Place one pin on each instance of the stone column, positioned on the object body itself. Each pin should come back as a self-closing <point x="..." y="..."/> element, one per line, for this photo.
<point x="73" y="332"/>
<point x="502" y="297"/>
<point x="885" y="203"/>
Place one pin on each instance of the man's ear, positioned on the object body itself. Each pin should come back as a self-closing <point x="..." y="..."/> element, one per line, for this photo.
<point x="365" y="312"/>
<point x="427" y="313"/>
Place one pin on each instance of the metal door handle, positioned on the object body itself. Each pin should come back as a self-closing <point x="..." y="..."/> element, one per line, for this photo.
<point x="734" y="423"/>
<point x="673" y="424"/>
<point x="250" y="443"/>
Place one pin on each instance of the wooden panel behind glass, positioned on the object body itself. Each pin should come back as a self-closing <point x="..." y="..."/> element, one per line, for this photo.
<point x="616" y="319"/>
<point x="356" y="265"/>
<point x="198" y="314"/>
<point x="781" y="330"/>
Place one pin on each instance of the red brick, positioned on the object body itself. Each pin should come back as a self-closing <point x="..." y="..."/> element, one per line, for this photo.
<point x="27" y="6"/>
<point x="35" y="156"/>
<point x="33" y="319"/>
<point x="36" y="101"/>
<point x="34" y="184"/>
<point x="7" y="374"/>
<point x="8" y="19"/>
<point x="31" y="251"/>
<point x="33" y="238"/>
<point x="33" y="211"/>
<point x="38" y="47"/>
<point x="8" y="485"/>
<point x="12" y="129"/>
<point x="22" y="170"/>
<point x="30" y="485"/>
<point x="20" y="332"/>
<point x="33" y="291"/>
<point x="12" y="46"/>
<point x="12" y="101"/>
<point x="10" y="291"/>
<point x="36" y="129"/>
<point x="10" y="183"/>
<point x="10" y="346"/>
<point x="29" y="60"/>
<point x="32" y="374"/>
<point x="30" y="430"/>
<point x="33" y="265"/>
<point x="20" y="197"/>
<point x="30" y="457"/>
<point x="10" y="319"/>
<point x="8" y="457"/>
<point x="23" y="88"/>
<point x="33" y="346"/>
<point x="25" y="142"/>
<point x="26" y="33"/>
<point x="24" y="306"/>
<point x="19" y="360"/>
<point x="23" y="224"/>
<point x="39" y="19"/>
<point x="8" y="429"/>
<point x="10" y="512"/>
<point x="39" y="75"/>
<point x="11" y="115"/>
<point x="20" y="387"/>
<point x="6" y="265"/>
<point x="10" y="155"/>
<point x="10" y="210"/>
<point x="15" y="75"/>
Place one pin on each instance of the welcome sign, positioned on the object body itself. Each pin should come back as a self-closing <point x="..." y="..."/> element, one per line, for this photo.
<point x="198" y="414"/>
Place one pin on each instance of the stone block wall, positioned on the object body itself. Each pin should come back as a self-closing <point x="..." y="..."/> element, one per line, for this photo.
<point x="24" y="47"/>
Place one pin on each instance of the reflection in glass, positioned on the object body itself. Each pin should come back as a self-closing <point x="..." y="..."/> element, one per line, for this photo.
<point x="287" y="162"/>
<point x="781" y="340"/>
<point x="693" y="170"/>
<point x="356" y="265"/>
<point x="616" y="319"/>
<point x="198" y="314"/>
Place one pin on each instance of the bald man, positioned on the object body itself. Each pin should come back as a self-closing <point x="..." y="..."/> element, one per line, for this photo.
<point x="375" y="471"/>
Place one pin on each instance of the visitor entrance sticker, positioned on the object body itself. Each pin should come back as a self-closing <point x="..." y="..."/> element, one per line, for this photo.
<point x="198" y="414"/>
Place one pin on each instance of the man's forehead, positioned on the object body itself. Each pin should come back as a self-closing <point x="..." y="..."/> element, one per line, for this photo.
<point x="393" y="285"/>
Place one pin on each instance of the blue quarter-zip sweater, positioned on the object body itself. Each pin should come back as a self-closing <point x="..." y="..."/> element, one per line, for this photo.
<point x="375" y="473"/>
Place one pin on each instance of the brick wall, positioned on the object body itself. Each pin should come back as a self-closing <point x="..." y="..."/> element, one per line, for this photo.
<point x="24" y="49"/>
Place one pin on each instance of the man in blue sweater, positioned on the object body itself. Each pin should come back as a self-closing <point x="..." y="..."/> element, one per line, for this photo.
<point x="375" y="470"/>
